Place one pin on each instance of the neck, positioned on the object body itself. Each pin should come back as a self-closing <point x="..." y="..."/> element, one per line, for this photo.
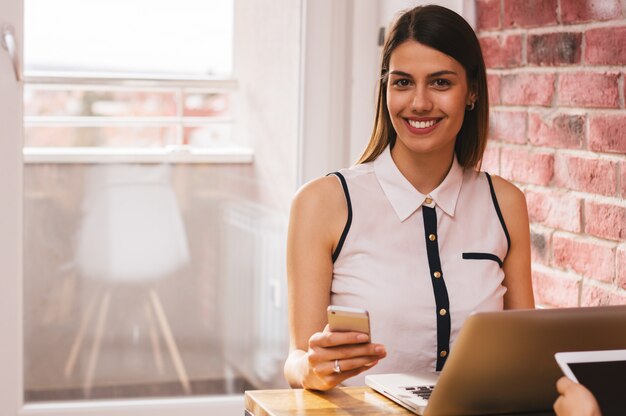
<point x="424" y="171"/>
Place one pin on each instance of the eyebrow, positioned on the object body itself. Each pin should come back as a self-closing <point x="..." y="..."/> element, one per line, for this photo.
<point x="433" y="75"/>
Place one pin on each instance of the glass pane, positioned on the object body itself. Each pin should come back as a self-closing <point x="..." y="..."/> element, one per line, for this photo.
<point x="49" y="101"/>
<point x="103" y="136"/>
<point x="129" y="36"/>
<point x="208" y="104"/>
<point x="209" y="135"/>
<point x="150" y="280"/>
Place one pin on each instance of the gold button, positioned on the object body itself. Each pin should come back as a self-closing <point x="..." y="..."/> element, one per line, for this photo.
<point x="442" y="312"/>
<point x="443" y="353"/>
<point x="432" y="237"/>
<point x="437" y="275"/>
<point x="428" y="201"/>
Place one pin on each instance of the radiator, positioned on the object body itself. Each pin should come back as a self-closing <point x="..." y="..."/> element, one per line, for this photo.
<point x="254" y="288"/>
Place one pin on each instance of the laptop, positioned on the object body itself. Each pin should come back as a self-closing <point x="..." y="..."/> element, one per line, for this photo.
<point x="503" y="362"/>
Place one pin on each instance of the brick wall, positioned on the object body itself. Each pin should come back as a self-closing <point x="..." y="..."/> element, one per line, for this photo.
<point x="557" y="81"/>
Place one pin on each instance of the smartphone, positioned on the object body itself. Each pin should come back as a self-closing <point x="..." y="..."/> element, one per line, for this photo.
<point x="344" y="319"/>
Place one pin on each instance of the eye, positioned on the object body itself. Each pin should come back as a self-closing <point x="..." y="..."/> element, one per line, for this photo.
<point x="441" y="83"/>
<point x="401" y="83"/>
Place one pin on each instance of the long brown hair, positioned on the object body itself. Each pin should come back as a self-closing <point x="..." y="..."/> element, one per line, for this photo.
<point x="444" y="30"/>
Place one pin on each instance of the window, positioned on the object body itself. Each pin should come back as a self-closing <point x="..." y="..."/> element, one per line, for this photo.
<point x="94" y="87"/>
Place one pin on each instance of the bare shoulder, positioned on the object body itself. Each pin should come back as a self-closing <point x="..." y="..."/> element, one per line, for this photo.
<point x="323" y="193"/>
<point x="512" y="204"/>
<point x="321" y="203"/>
<point x="510" y="198"/>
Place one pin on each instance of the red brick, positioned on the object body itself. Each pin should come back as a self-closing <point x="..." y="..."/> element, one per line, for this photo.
<point x="605" y="46"/>
<point x="554" y="49"/>
<point x="493" y="86"/>
<point x="556" y="130"/>
<point x="527" y="89"/>
<point x="554" y="209"/>
<point x="491" y="160"/>
<point x="585" y="257"/>
<point x="607" y="133"/>
<point x="595" y="176"/>
<point x="598" y="296"/>
<point x="589" y="90"/>
<point x="502" y="51"/>
<point x="526" y="166"/>
<point x="605" y="220"/>
<point x="555" y="288"/>
<point x="573" y="11"/>
<point x="622" y="167"/>
<point x="540" y="243"/>
<point x="509" y="126"/>
<point x="620" y="262"/>
<point x="487" y="14"/>
<point x="529" y="13"/>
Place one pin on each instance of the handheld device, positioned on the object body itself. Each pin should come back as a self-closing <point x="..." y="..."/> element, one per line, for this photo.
<point x="345" y="319"/>
<point x="602" y="372"/>
<point x="587" y="366"/>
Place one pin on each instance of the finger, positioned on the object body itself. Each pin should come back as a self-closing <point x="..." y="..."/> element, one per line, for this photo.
<point x="340" y="378"/>
<point x="347" y="365"/>
<point x="558" y="404"/>
<point x="351" y="351"/>
<point x="332" y="339"/>
<point x="563" y="384"/>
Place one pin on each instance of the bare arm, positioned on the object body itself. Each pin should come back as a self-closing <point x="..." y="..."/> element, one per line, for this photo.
<point x="517" y="273"/>
<point x="318" y="216"/>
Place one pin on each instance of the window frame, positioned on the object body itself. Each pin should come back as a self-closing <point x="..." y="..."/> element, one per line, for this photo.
<point x="172" y="153"/>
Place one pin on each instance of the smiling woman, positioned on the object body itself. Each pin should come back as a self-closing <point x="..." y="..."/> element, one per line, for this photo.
<point x="427" y="95"/>
<point x="354" y="237"/>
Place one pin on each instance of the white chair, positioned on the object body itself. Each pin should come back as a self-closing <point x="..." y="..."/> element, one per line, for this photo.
<point x="131" y="233"/>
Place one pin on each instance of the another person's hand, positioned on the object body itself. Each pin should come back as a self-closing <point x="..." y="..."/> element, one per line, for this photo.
<point x="575" y="400"/>
<point x="333" y="357"/>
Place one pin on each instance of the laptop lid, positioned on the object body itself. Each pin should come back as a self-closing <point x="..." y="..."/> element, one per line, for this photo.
<point x="503" y="362"/>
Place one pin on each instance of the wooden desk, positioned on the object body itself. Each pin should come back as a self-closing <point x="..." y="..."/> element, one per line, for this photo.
<point x="339" y="401"/>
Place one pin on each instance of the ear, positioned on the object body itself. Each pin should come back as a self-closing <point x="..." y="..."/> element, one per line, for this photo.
<point x="472" y="95"/>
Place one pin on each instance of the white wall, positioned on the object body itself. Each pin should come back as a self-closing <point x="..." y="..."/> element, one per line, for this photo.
<point x="267" y="66"/>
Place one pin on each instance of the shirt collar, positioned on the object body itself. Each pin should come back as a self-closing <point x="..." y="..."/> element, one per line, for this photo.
<point x="405" y="199"/>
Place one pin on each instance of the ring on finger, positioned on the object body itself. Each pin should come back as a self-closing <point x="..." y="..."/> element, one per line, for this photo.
<point x="336" y="367"/>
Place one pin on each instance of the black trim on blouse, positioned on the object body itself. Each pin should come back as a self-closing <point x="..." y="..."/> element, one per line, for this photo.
<point x="442" y="302"/>
<point x="344" y="234"/>
<point x="500" y="217"/>
<point x="483" y="256"/>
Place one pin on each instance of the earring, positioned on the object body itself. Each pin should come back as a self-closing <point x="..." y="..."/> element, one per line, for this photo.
<point x="471" y="106"/>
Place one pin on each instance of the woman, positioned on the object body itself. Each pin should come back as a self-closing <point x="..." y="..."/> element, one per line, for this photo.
<point x="412" y="233"/>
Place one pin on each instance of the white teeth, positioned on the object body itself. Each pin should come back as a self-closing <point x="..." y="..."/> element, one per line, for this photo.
<point x="422" y="124"/>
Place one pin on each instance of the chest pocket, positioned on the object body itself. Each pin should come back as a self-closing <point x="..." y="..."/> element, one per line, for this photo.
<point x="483" y="257"/>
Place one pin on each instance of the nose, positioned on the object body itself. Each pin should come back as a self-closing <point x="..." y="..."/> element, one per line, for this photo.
<point x="421" y="101"/>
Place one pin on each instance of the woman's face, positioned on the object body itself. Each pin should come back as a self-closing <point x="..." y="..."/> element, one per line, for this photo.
<point x="427" y="92"/>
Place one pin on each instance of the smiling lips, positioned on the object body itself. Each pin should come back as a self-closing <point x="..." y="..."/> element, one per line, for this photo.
<point x="422" y="126"/>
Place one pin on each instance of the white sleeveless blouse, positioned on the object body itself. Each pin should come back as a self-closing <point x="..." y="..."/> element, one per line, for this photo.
<point x="420" y="264"/>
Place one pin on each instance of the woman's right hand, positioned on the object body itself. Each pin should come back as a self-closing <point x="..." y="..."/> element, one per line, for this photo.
<point x="333" y="357"/>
